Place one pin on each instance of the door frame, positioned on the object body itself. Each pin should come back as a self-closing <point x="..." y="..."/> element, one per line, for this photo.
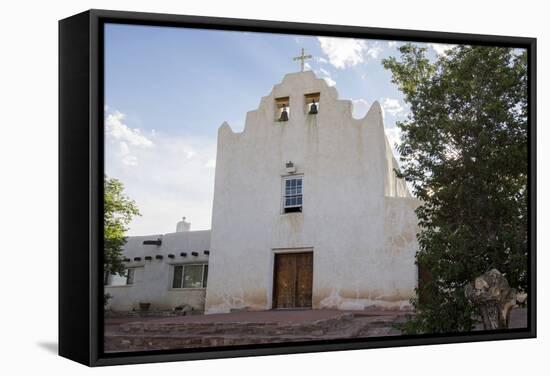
<point x="276" y="251"/>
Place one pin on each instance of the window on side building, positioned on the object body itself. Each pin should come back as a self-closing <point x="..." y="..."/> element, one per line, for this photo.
<point x="106" y="278"/>
<point x="130" y="276"/>
<point x="190" y="276"/>
<point x="119" y="280"/>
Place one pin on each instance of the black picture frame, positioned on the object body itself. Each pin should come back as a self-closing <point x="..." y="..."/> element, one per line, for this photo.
<point x="81" y="184"/>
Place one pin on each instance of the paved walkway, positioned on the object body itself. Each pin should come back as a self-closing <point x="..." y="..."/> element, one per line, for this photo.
<point x="242" y="328"/>
<point x="134" y="333"/>
<point x="272" y="316"/>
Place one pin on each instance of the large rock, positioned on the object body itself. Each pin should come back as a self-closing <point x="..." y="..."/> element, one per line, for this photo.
<point x="494" y="298"/>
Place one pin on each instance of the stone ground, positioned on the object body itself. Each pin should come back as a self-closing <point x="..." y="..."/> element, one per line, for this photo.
<point x="130" y="333"/>
<point x="134" y="333"/>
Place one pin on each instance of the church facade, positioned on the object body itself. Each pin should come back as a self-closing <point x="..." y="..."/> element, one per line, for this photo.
<point x="307" y="214"/>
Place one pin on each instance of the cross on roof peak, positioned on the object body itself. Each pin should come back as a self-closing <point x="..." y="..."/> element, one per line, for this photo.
<point x="302" y="58"/>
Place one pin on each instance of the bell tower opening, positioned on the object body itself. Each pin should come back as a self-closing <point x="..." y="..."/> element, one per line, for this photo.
<point x="282" y="109"/>
<point x="312" y="103"/>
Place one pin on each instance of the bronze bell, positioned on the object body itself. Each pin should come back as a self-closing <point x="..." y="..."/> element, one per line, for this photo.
<point x="313" y="108"/>
<point x="284" y="115"/>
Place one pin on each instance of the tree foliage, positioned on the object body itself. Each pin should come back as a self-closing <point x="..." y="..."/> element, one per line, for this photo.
<point x="464" y="152"/>
<point x="119" y="210"/>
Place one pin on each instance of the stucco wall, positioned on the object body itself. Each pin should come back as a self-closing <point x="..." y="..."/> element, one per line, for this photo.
<point x="153" y="279"/>
<point x="348" y="175"/>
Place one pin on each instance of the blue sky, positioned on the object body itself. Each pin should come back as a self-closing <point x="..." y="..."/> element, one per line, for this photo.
<point x="167" y="90"/>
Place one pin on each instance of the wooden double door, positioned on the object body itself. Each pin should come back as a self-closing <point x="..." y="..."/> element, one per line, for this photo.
<point x="293" y="280"/>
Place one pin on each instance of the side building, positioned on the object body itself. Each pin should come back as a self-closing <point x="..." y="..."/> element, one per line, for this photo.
<point x="164" y="272"/>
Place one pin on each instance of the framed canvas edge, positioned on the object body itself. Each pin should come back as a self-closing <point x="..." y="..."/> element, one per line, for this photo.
<point x="74" y="274"/>
<point x="93" y="320"/>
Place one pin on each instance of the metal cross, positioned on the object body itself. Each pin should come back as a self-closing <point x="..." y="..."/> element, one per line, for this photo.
<point x="302" y="57"/>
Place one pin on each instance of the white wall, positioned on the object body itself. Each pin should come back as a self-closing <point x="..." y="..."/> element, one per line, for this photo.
<point x="347" y="169"/>
<point x="29" y="194"/>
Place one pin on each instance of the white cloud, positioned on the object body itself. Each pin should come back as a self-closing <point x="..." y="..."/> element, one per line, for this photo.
<point x="518" y="51"/>
<point x="329" y="81"/>
<point x="116" y="129"/>
<point x="189" y="154"/>
<point x="347" y="52"/>
<point x="123" y="153"/>
<point x="174" y="178"/>
<point x="307" y="66"/>
<point x="343" y="52"/>
<point x="123" y="139"/>
<point x="360" y="108"/>
<point x="374" y="51"/>
<point x="392" y="43"/>
<point x="392" y="106"/>
<point x="322" y="60"/>
<point x="324" y="74"/>
<point x="440" y="48"/>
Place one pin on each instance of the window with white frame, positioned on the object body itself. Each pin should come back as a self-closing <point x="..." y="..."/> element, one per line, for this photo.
<point x="119" y="280"/>
<point x="293" y="194"/>
<point x="190" y="276"/>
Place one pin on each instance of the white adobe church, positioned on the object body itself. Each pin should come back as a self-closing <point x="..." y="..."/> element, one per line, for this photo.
<point x="307" y="213"/>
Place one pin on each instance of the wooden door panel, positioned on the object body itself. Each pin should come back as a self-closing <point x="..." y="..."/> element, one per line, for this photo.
<point x="304" y="279"/>
<point x="285" y="268"/>
<point x="293" y="280"/>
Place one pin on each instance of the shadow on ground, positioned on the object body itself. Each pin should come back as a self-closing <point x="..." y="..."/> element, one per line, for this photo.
<point x="51" y="347"/>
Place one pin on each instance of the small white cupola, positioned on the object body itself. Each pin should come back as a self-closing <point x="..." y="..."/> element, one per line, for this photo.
<point x="183" y="225"/>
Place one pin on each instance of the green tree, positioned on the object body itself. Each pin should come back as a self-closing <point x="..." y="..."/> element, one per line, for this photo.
<point x="118" y="212"/>
<point x="464" y="152"/>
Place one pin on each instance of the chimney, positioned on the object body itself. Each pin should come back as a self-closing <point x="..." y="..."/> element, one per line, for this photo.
<point x="183" y="225"/>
